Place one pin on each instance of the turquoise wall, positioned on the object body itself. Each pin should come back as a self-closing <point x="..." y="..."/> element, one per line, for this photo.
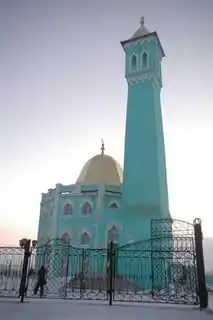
<point x="46" y="217"/>
<point x="96" y="223"/>
<point x="141" y="183"/>
<point x="131" y="227"/>
<point x="145" y="182"/>
<point x="77" y="223"/>
<point x="150" y="46"/>
<point x="132" y="224"/>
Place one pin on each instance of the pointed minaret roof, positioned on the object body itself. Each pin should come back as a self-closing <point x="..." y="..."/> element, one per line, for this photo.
<point x="142" y="31"/>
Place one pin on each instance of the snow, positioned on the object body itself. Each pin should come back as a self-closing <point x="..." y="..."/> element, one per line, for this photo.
<point x="35" y="309"/>
<point x="211" y="300"/>
<point x="56" y="288"/>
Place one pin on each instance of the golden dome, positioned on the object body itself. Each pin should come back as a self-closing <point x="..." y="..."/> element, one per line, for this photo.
<point x="101" y="169"/>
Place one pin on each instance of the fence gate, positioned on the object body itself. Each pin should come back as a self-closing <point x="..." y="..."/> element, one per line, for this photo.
<point x="174" y="263"/>
<point x="72" y="273"/>
<point x="86" y="274"/>
<point x="54" y="256"/>
<point x="161" y="269"/>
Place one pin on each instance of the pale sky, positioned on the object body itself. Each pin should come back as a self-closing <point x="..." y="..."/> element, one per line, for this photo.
<point x="62" y="89"/>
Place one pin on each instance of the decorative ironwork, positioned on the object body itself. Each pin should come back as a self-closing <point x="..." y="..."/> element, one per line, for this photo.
<point x="54" y="257"/>
<point x="11" y="261"/>
<point x="161" y="228"/>
<point x="157" y="270"/>
<point x="132" y="272"/>
<point x="87" y="274"/>
<point x="72" y="273"/>
<point x="161" y="269"/>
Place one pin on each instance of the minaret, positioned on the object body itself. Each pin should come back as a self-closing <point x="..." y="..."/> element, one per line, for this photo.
<point x="145" y="182"/>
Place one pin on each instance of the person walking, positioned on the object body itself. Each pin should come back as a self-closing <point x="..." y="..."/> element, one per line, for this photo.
<point x="41" y="282"/>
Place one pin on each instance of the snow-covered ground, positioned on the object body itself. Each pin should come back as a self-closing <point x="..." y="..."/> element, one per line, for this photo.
<point x="56" y="288"/>
<point x="211" y="300"/>
<point x="67" y="310"/>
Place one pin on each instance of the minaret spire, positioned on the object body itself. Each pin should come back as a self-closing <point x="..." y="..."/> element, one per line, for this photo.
<point x="102" y="147"/>
<point x="142" y="20"/>
<point x="141" y="31"/>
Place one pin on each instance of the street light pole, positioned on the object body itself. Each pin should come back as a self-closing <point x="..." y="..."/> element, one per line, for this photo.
<point x="26" y="245"/>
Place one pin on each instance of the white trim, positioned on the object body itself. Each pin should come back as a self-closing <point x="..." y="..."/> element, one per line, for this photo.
<point x="68" y="202"/>
<point x="114" y="223"/>
<point x="142" y="41"/>
<point x="84" y="230"/>
<point x="143" y="78"/>
<point x="113" y="194"/>
<point x="77" y="190"/>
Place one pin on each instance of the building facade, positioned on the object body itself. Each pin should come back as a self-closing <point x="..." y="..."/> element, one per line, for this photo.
<point x="108" y="203"/>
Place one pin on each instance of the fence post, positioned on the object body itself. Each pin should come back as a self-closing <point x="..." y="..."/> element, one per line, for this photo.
<point x="24" y="269"/>
<point x="67" y="269"/>
<point x="110" y="266"/>
<point x="82" y="275"/>
<point x="202" y="290"/>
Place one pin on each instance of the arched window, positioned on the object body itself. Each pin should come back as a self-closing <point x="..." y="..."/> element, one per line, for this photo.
<point x="68" y="209"/>
<point x="134" y="62"/>
<point x="65" y="238"/>
<point x="113" y="205"/>
<point x="85" y="239"/>
<point x="87" y="208"/>
<point x="145" y="60"/>
<point x="112" y="235"/>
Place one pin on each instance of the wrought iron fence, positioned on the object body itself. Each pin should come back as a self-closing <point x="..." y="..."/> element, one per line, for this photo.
<point x="11" y="261"/>
<point x="171" y="228"/>
<point x="161" y="269"/>
<point x="157" y="270"/>
<point x="72" y="273"/>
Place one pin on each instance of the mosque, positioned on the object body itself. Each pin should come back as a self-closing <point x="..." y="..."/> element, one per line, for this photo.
<point x="108" y="203"/>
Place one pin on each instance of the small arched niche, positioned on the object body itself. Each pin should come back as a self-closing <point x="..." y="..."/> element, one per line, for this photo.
<point x="145" y="60"/>
<point x="68" y="210"/>
<point x="66" y="238"/>
<point x="86" y="208"/>
<point x="113" y="205"/>
<point x="85" y="238"/>
<point x="134" y="62"/>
